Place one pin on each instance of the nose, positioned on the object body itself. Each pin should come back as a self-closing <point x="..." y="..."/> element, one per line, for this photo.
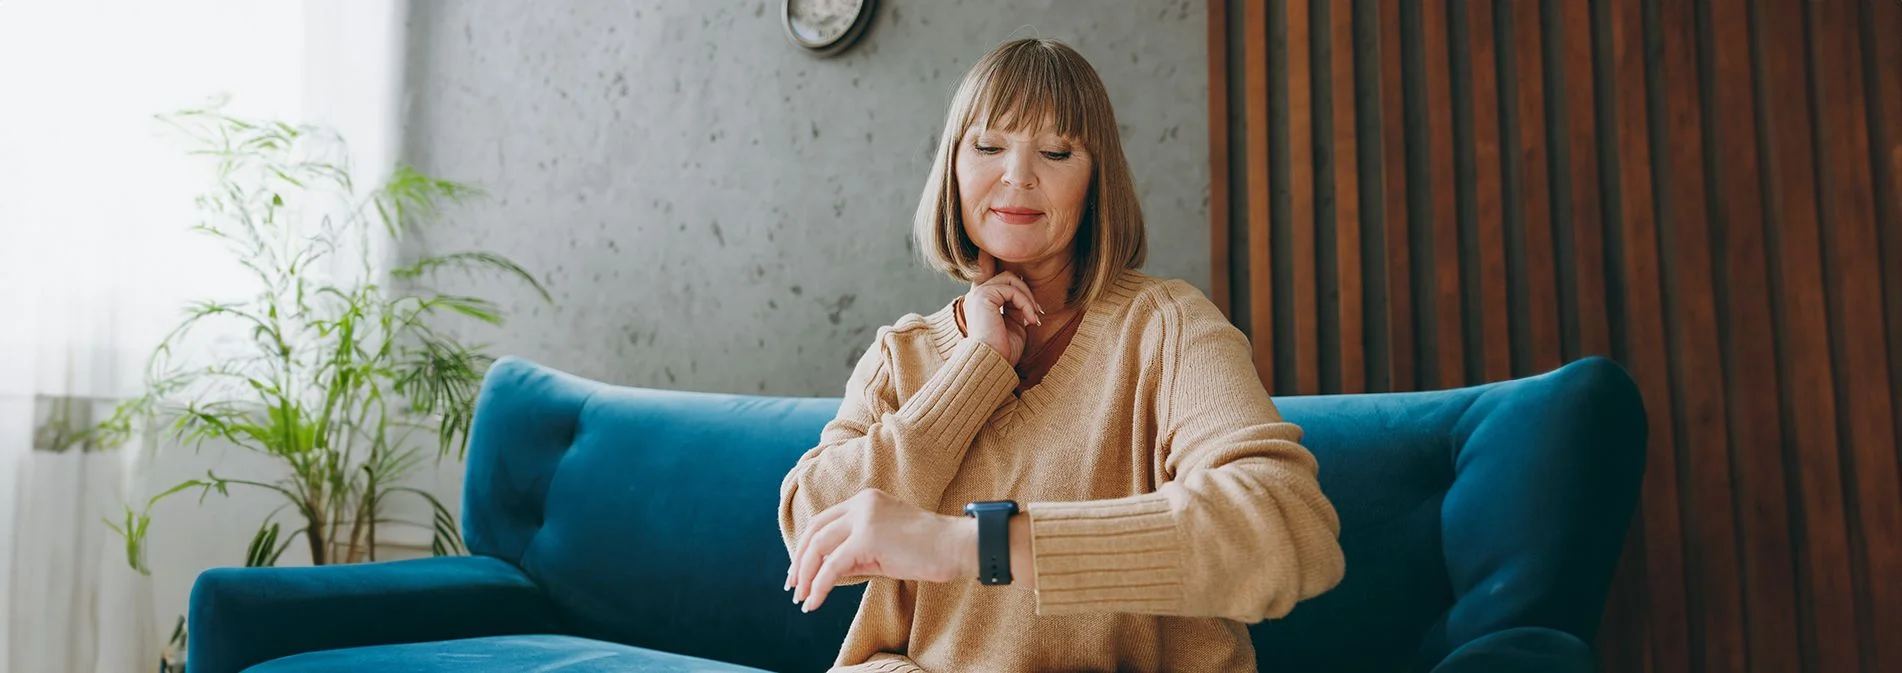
<point x="1017" y="171"/>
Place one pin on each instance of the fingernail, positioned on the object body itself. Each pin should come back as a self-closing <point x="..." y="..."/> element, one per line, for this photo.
<point x="806" y="607"/>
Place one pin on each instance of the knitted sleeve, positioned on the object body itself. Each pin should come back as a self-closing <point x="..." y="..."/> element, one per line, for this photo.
<point x="912" y="449"/>
<point x="1238" y="528"/>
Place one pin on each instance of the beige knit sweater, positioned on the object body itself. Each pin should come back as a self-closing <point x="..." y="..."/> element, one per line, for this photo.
<point x="1169" y="504"/>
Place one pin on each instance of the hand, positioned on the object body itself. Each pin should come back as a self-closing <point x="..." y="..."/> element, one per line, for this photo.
<point x="875" y="533"/>
<point x="998" y="307"/>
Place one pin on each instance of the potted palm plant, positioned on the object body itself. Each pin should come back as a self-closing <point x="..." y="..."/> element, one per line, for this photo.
<point x="341" y="370"/>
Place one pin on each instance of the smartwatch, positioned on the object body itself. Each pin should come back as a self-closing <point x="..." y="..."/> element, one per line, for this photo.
<point x="993" y="539"/>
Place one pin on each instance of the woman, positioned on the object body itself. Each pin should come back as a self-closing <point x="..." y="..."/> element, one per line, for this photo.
<point x="1166" y="502"/>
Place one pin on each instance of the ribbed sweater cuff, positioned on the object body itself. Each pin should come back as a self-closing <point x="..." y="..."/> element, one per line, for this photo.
<point x="960" y="397"/>
<point x="1117" y="555"/>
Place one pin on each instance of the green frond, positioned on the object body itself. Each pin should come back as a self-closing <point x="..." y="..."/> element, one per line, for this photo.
<point x="337" y="376"/>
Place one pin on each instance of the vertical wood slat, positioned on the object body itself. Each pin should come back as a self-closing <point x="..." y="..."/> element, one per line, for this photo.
<point x="1540" y="281"/>
<point x="1644" y="334"/>
<point x="1353" y="360"/>
<point x="1494" y="338"/>
<point x="1881" y="23"/>
<point x="1400" y="318"/>
<point x="1748" y="348"/>
<point x="1586" y="226"/>
<point x="1219" y="272"/>
<point x="1305" y="329"/>
<point x="1697" y="376"/>
<point x="1809" y="404"/>
<point x="1261" y="331"/>
<point x="1857" y="350"/>
<point x="1449" y="368"/>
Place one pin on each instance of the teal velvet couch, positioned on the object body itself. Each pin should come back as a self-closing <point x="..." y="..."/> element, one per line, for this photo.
<point x="627" y="529"/>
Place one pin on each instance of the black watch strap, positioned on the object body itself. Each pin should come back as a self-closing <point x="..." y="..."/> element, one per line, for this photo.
<point x="993" y="539"/>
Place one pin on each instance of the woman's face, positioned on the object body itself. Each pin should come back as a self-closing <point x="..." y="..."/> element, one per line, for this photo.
<point x="1022" y="193"/>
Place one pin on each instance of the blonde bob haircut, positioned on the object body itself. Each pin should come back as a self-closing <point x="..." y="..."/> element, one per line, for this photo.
<point x="1027" y="83"/>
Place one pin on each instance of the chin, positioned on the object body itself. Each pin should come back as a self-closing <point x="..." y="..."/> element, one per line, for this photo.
<point x="1015" y="249"/>
<point x="1016" y="255"/>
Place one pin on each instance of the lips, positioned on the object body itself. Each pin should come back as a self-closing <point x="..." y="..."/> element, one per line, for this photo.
<point x="1017" y="215"/>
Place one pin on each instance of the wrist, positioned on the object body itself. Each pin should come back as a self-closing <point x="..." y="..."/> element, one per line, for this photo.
<point x="961" y="543"/>
<point x="1023" y="563"/>
<point x="961" y="540"/>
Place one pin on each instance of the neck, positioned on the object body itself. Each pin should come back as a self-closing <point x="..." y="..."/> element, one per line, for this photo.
<point x="1049" y="280"/>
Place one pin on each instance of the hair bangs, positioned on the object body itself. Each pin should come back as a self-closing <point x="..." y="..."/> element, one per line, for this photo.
<point x="1027" y="87"/>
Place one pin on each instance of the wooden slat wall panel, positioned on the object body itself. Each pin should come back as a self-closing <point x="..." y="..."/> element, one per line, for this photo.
<point x="1260" y="279"/>
<point x="1585" y="274"/>
<point x="1485" y="272"/>
<point x="1857" y="351"/>
<point x="1882" y="80"/>
<point x="1691" y="318"/>
<point x="1743" y="289"/>
<point x="1642" y="343"/>
<point x="1446" y="350"/>
<point x="1347" y="311"/>
<point x="1305" y="328"/>
<point x="1536" y="346"/>
<point x="1400" y="317"/>
<point x="1710" y="191"/>
<point x="1809" y="398"/>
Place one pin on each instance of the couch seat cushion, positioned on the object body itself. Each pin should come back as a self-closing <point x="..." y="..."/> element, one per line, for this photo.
<point x="517" y="654"/>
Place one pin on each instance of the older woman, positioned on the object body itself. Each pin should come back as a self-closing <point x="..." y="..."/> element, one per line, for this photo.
<point x="1166" y="502"/>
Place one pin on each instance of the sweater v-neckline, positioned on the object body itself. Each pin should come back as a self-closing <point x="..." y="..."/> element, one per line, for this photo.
<point x="1071" y="363"/>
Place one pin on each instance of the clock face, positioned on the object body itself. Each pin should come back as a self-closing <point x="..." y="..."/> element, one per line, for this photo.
<point x="818" y="23"/>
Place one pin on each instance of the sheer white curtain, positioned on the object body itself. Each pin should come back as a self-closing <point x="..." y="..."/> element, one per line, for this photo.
<point x="96" y="261"/>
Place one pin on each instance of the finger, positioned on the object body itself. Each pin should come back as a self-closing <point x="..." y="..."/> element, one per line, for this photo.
<point x="1018" y="319"/>
<point x="798" y="568"/>
<point x="817" y="522"/>
<point x="1005" y="298"/>
<point x="986" y="267"/>
<point x="1018" y="282"/>
<point x="824" y="542"/>
<point x="1019" y="296"/>
<point x="841" y="561"/>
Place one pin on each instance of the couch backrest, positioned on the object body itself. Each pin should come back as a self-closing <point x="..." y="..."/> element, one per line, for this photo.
<point x="1465" y="512"/>
<point x="650" y="516"/>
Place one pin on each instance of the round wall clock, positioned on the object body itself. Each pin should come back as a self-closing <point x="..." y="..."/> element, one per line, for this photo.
<point x="826" y="27"/>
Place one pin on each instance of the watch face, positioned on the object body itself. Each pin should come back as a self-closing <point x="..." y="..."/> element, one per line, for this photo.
<point x="817" y="23"/>
<point x="1006" y="506"/>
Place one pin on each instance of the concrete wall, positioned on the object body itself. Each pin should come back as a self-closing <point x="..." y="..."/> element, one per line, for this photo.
<point x="715" y="210"/>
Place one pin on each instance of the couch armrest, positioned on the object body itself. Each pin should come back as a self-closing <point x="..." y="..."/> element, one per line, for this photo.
<point x="1526" y="649"/>
<point x="240" y="617"/>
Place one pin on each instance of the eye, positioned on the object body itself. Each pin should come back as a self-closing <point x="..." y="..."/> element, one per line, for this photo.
<point x="1056" y="156"/>
<point x="984" y="149"/>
